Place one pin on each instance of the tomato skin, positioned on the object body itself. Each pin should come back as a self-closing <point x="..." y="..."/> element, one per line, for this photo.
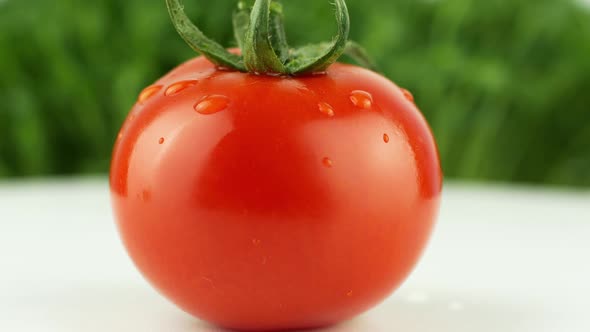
<point x="271" y="213"/>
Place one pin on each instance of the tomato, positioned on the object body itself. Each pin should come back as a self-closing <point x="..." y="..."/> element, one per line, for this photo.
<point x="259" y="202"/>
<point x="283" y="191"/>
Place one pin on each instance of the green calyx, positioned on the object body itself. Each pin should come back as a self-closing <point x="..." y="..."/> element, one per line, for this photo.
<point x="260" y="34"/>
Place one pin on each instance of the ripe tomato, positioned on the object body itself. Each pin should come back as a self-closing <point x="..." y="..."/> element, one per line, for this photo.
<point x="259" y="202"/>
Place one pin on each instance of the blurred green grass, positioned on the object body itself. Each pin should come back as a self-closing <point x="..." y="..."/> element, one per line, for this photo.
<point x="504" y="83"/>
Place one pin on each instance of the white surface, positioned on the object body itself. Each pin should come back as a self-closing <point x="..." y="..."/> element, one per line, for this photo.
<point x="501" y="260"/>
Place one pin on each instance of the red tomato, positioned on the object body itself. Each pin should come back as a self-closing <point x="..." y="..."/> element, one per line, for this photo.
<point x="258" y="202"/>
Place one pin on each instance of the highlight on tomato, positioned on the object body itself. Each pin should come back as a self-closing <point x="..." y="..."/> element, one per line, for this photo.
<point x="266" y="187"/>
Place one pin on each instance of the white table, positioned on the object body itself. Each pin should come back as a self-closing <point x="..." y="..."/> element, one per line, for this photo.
<point x="502" y="260"/>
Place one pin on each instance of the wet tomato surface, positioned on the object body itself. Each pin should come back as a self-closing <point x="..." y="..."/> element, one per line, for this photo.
<point x="266" y="202"/>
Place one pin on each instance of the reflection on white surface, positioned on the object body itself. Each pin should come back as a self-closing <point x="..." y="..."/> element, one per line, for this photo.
<point x="501" y="260"/>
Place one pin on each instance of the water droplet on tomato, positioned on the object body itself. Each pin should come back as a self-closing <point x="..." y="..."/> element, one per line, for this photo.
<point x="301" y="87"/>
<point x="179" y="87"/>
<point x="408" y="95"/>
<point x="212" y="104"/>
<point x="349" y="294"/>
<point x="161" y="140"/>
<point x="207" y="282"/>
<point x="326" y="109"/>
<point x="255" y="242"/>
<point x="319" y="73"/>
<point x="327" y="162"/>
<point x="361" y="99"/>
<point x="148" y="92"/>
<point x="385" y="138"/>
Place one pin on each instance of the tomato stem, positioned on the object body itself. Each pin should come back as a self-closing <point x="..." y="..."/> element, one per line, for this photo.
<point x="260" y="34"/>
<point x="198" y="41"/>
<point x="360" y="55"/>
<point x="259" y="54"/>
<point x="318" y="57"/>
<point x="241" y="20"/>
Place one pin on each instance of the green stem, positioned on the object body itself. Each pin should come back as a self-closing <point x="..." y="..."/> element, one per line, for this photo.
<point x="259" y="55"/>
<point x="198" y="41"/>
<point x="278" y="38"/>
<point x="241" y="20"/>
<point x="260" y="34"/>
<point x="305" y="64"/>
<point x="358" y="54"/>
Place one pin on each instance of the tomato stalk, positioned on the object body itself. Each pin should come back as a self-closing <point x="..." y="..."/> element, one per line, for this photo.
<point x="196" y="39"/>
<point x="259" y="54"/>
<point x="260" y="34"/>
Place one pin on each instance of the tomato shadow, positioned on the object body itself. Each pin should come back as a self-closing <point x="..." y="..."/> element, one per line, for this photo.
<point x="439" y="312"/>
<point x="100" y="308"/>
<point x="356" y="325"/>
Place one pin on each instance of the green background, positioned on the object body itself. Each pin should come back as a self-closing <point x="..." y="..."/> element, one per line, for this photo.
<point x="505" y="84"/>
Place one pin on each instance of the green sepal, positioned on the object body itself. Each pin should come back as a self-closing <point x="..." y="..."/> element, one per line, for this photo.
<point x="197" y="40"/>
<point x="260" y="34"/>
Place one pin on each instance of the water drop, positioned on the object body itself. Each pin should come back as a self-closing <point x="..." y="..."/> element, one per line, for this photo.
<point x="327" y="162"/>
<point x="361" y="99"/>
<point x="385" y="138"/>
<point x="207" y="282"/>
<point x="161" y="140"/>
<point x="212" y="104"/>
<point x="408" y="95"/>
<point x="326" y="109"/>
<point x="148" y="92"/>
<point x="349" y="294"/>
<point x="302" y="89"/>
<point x="255" y="242"/>
<point x="179" y="87"/>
